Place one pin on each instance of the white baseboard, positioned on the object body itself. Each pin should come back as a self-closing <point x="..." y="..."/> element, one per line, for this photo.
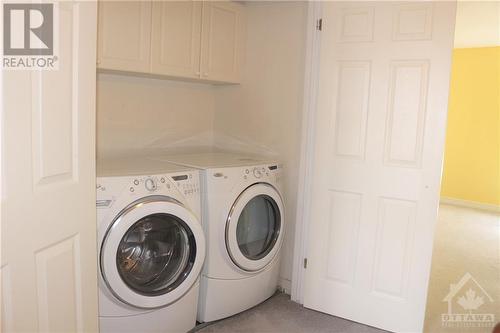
<point x="470" y="204"/>
<point x="285" y="285"/>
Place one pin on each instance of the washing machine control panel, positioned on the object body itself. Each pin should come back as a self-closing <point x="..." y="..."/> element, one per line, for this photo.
<point x="112" y="188"/>
<point x="150" y="183"/>
<point x="185" y="183"/>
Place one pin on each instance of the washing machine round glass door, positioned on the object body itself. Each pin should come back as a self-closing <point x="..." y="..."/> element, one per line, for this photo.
<point x="254" y="227"/>
<point x="152" y="253"/>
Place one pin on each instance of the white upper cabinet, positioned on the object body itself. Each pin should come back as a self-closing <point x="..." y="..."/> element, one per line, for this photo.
<point x="221" y="41"/>
<point x="176" y="38"/>
<point x="184" y="39"/>
<point x="124" y="35"/>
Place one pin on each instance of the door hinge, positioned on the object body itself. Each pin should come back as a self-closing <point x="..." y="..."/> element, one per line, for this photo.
<point x="305" y="262"/>
<point x="319" y="24"/>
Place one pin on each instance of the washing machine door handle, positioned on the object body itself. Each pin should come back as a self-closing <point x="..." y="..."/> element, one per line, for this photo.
<point x="152" y="253"/>
<point x="255" y="227"/>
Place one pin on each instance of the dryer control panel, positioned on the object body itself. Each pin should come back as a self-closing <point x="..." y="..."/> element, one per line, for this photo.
<point x="262" y="172"/>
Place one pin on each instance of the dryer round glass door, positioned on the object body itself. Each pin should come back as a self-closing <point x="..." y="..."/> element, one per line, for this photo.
<point x="152" y="253"/>
<point x="258" y="227"/>
<point x="254" y="228"/>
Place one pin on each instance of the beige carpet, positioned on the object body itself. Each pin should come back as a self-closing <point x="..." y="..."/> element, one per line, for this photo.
<point x="280" y="315"/>
<point x="466" y="246"/>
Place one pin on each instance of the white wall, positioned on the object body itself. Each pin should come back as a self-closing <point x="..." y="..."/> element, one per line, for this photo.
<point x="263" y="114"/>
<point x="478" y="24"/>
<point x="135" y="112"/>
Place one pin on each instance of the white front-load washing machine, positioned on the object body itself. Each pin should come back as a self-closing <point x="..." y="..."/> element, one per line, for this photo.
<point x="243" y="219"/>
<point x="151" y="245"/>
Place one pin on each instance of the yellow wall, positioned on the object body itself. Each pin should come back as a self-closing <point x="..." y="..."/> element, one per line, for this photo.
<point x="472" y="156"/>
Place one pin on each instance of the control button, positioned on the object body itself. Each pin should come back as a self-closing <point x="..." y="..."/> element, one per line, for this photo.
<point x="257" y="173"/>
<point x="150" y="184"/>
<point x="103" y="203"/>
<point x="136" y="182"/>
<point x="247" y="171"/>
<point x="131" y="189"/>
<point x="162" y="179"/>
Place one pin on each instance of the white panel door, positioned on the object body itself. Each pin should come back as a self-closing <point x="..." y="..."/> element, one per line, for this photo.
<point x="379" y="137"/>
<point x="49" y="261"/>
<point x="124" y="36"/>
<point x="222" y="40"/>
<point x="176" y="38"/>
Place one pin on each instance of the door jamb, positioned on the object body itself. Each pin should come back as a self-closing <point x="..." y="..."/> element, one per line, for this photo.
<point x="311" y="77"/>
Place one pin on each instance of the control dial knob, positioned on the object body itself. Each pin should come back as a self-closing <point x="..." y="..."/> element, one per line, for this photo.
<point x="150" y="184"/>
<point x="257" y="173"/>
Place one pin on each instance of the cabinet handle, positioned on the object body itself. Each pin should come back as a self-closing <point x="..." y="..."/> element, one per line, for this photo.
<point x="205" y="74"/>
<point x="197" y="73"/>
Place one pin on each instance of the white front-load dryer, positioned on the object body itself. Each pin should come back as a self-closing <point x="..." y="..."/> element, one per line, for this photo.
<point x="151" y="245"/>
<point x="243" y="219"/>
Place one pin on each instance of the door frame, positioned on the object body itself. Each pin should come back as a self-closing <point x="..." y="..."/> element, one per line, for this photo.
<point x="304" y="189"/>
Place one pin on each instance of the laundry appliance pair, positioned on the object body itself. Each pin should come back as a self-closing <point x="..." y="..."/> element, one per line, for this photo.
<point x="154" y="214"/>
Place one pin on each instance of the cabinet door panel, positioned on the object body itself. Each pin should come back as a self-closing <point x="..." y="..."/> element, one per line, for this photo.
<point x="176" y="38"/>
<point x="222" y="39"/>
<point x="124" y="35"/>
